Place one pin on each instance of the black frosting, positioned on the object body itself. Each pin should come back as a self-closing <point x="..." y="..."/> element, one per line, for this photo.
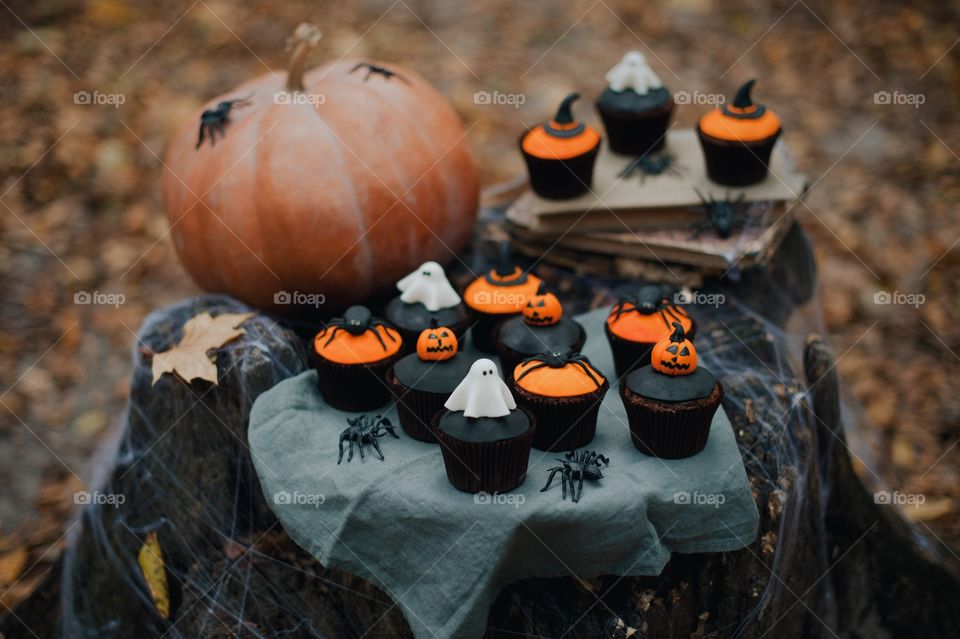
<point x="519" y="336"/>
<point x="416" y="317"/>
<point x="630" y="101"/>
<point x="432" y="377"/>
<point x="484" y="429"/>
<point x="653" y="385"/>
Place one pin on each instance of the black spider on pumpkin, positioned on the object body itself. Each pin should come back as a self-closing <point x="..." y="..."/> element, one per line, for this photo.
<point x="559" y="360"/>
<point x="577" y="466"/>
<point x="721" y="216"/>
<point x="357" y="321"/>
<point x="212" y="121"/>
<point x="376" y="68"/>
<point x="649" y="300"/>
<point x="365" y="430"/>
<point x="652" y="164"/>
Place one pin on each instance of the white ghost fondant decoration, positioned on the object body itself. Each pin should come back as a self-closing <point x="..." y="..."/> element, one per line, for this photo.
<point x="429" y="286"/>
<point x="633" y="72"/>
<point x="482" y="393"/>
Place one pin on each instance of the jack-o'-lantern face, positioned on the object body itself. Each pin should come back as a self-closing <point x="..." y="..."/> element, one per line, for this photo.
<point x="674" y="355"/>
<point x="436" y="344"/>
<point x="543" y="309"/>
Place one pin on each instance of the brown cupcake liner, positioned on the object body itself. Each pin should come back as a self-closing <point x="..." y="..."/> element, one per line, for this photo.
<point x="636" y="134"/>
<point x="735" y="163"/>
<point x="628" y="355"/>
<point x="670" y="430"/>
<point x="416" y="409"/>
<point x="492" y="467"/>
<point x="561" y="179"/>
<point x="509" y="358"/>
<point x="563" y="423"/>
<point x="354" y="387"/>
<point x="484" y="329"/>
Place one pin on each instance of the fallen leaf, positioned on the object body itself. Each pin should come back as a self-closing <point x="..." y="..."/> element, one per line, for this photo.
<point x="150" y="559"/>
<point x="929" y="510"/>
<point x="12" y="565"/>
<point x="189" y="359"/>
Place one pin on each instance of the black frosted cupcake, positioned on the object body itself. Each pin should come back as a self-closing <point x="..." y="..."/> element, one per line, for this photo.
<point x="563" y="393"/>
<point x="352" y="355"/>
<point x="635" y="107"/>
<point x="484" y="436"/>
<point x="737" y="140"/>
<point x="670" y="404"/>
<point x="541" y="328"/>
<point x="426" y="296"/>
<point x="636" y="323"/>
<point x="422" y="381"/>
<point x="496" y="296"/>
<point x="560" y="154"/>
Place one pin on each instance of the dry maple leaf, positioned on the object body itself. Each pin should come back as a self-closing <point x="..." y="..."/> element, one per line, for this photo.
<point x="189" y="359"/>
<point x="150" y="559"/>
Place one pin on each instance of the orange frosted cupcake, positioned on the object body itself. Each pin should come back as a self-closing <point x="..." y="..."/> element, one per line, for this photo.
<point x="563" y="392"/>
<point x="637" y="323"/>
<point x="352" y="355"/>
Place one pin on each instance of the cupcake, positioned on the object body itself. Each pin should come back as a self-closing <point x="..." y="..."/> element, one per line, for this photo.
<point x="737" y="140"/>
<point x="636" y="324"/>
<point x="635" y="107"/>
<point x="352" y="355"/>
<point x="423" y="380"/>
<point x="563" y="393"/>
<point x="496" y="296"/>
<point x="541" y="328"/>
<point x="560" y="154"/>
<point x="484" y="436"/>
<point x="426" y="296"/>
<point x="670" y="403"/>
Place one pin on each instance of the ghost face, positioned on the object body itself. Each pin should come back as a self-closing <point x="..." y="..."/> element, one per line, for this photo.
<point x="429" y="286"/>
<point x="482" y="393"/>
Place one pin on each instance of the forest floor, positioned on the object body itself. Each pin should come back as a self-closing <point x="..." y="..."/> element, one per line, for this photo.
<point x="868" y="92"/>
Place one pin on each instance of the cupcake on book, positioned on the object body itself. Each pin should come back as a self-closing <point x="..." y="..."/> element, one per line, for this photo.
<point x="635" y="107"/>
<point x="670" y="404"/>
<point x="426" y="296"/>
<point x="423" y="381"/>
<point x="352" y="355"/>
<point x="563" y="392"/>
<point x="560" y="154"/>
<point x="636" y="323"/>
<point x="484" y="436"/>
<point x="737" y="140"/>
<point x="498" y="295"/>
<point x="542" y="327"/>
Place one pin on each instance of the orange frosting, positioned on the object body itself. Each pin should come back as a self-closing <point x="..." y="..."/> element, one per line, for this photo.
<point x="357" y="349"/>
<point x="569" y="381"/>
<point x="638" y="327"/>
<point x="718" y="125"/>
<point x="538" y="143"/>
<point x="501" y="299"/>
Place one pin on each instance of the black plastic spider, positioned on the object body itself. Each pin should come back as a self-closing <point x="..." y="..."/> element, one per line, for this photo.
<point x="649" y="300"/>
<point x="559" y="360"/>
<point x="365" y="430"/>
<point x="577" y="466"/>
<point x="652" y="164"/>
<point x="356" y="321"/>
<point x="212" y="121"/>
<point x="721" y="216"/>
<point x="376" y="68"/>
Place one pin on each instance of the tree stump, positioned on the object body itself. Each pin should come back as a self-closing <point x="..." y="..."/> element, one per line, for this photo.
<point x="827" y="562"/>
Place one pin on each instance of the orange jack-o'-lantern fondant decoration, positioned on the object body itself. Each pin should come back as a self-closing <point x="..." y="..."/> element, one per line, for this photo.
<point x="674" y="355"/>
<point x="437" y="343"/>
<point x="543" y="309"/>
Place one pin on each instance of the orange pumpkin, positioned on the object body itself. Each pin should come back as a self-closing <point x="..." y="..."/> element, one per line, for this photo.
<point x="543" y="309"/>
<point x="674" y="355"/>
<point x="338" y="181"/>
<point x="437" y="344"/>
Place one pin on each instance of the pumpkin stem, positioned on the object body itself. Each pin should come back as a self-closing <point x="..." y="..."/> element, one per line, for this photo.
<point x="678" y="335"/>
<point x="304" y="38"/>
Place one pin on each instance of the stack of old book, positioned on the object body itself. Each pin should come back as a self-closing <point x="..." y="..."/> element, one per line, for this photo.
<point x="652" y="218"/>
